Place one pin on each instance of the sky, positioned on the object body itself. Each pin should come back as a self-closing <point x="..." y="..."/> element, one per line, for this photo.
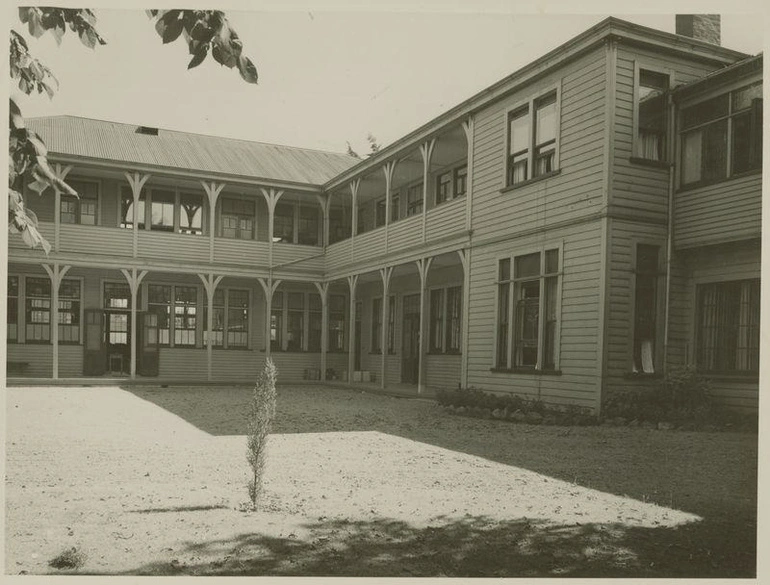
<point x="327" y="76"/>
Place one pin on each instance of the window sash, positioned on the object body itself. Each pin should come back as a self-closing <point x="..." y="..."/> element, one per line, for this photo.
<point x="527" y="311"/>
<point x="728" y="327"/>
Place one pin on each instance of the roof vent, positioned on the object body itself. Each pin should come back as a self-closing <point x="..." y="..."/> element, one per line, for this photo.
<point x="704" y="27"/>
<point x="148" y="130"/>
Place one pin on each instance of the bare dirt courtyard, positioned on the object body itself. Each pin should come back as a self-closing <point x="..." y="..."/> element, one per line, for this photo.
<point x="149" y="480"/>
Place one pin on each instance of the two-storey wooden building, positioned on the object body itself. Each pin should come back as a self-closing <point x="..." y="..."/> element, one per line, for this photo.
<point x="573" y="229"/>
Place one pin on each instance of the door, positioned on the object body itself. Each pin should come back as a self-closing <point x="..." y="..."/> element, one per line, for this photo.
<point x="94" y="349"/>
<point x="117" y="335"/>
<point x="410" y="348"/>
<point x="357" y="349"/>
<point x="147" y="344"/>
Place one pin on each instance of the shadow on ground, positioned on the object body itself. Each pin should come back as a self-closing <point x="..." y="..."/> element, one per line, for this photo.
<point x="713" y="475"/>
<point x="472" y="547"/>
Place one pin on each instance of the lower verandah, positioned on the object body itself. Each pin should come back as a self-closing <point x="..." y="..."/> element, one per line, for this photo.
<point x="95" y="330"/>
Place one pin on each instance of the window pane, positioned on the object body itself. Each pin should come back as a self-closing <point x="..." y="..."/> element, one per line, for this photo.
<point x="742" y="98"/>
<point x="528" y="265"/>
<point x="728" y="326"/>
<point x="527" y="323"/>
<point x="692" y="146"/>
<point x="705" y="111"/>
<point x="652" y="115"/>
<point x="162" y="211"/>
<point x="504" y="269"/>
<point x="503" y="306"/>
<point x="190" y="213"/>
<point x="545" y="115"/>
<point x="645" y="309"/>
<point x="519" y="131"/>
<point x="436" y="319"/>
<point x="551" y="261"/>
<point x="714" y="153"/>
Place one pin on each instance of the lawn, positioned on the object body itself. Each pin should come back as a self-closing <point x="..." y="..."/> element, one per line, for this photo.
<point x="151" y="481"/>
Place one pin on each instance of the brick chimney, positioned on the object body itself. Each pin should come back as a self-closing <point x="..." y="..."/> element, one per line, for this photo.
<point x="704" y="27"/>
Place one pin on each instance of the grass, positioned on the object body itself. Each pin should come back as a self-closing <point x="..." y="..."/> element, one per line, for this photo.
<point x="150" y="481"/>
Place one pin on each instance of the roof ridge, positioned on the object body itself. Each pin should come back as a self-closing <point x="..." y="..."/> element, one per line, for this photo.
<point x="191" y="133"/>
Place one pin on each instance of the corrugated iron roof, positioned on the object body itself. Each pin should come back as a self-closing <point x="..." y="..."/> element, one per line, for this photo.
<point x="72" y="135"/>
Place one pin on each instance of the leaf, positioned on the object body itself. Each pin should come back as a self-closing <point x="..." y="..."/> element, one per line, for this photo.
<point x="200" y="55"/>
<point x="247" y="69"/>
<point x="172" y="31"/>
<point x="17" y="120"/>
<point x="37" y="143"/>
<point x="36" y="28"/>
<point x="38" y="185"/>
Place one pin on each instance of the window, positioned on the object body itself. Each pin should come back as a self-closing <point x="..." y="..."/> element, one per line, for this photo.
<point x="363" y="220"/>
<point x="395" y="207"/>
<point x="728" y="326"/>
<point x="162" y="210"/>
<point x="276" y="322"/>
<point x="185" y="315"/>
<point x="283" y="223"/>
<point x="461" y="180"/>
<point x="38" y="310"/>
<point x="376" y="325"/>
<point x="80" y="209"/>
<point x="392" y="324"/>
<point x="127" y="209"/>
<point x="532" y="153"/>
<point x="217" y="320"/>
<point x="379" y="212"/>
<point x="645" y="308"/>
<point x="436" y="319"/>
<point x="69" y="311"/>
<point x="503" y="311"/>
<point x="237" y="318"/>
<point x="528" y="300"/>
<point x="545" y="135"/>
<point x="722" y="136"/>
<point x="453" y="319"/>
<point x="295" y="321"/>
<point x="444" y="187"/>
<point x="12" y="316"/>
<point x="159" y="303"/>
<point x="414" y="200"/>
<point x="339" y="224"/>
<point x="650" y="143"/>
<point x="337" y="306"/>
<point x="117" y="295"/>
<point x="237" y="219"/>
<point x="190" y="213"/>
<point x="314" y="321"/>
<point x="308" y="226"/>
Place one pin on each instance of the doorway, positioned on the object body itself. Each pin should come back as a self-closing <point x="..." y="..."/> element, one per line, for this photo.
<point x="410" y="352"/>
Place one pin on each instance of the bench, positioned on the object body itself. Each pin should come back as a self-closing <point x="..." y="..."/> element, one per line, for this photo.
<point x="18" y="368"/>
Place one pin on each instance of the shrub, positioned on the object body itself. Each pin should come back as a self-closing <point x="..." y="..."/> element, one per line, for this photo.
<point x="71" y="558"/>
<point x="261" y="415"/>
<point x="473" y="399"/>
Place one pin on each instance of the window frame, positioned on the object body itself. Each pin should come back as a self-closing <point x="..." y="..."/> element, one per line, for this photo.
<point x="510" y="365"/>
<point x="656" y="68"/>
<point x="221" y="214"/>
<point x="726" y="90"/>
<point x="15" y="314"/>
<point x="528" y="105"/>
<point x="698" y="283"/>
<point x="344" y="332"/>
<point x="79" y="201"/>
<point x="659" y="320"/>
